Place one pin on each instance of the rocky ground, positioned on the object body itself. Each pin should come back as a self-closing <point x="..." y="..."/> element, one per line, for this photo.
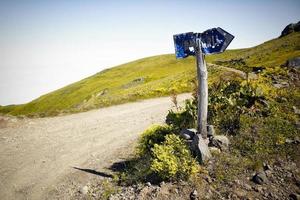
<point x="278" y="181"/>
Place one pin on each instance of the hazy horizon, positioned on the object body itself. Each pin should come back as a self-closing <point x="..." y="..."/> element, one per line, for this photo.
<point x="50" y="44"/>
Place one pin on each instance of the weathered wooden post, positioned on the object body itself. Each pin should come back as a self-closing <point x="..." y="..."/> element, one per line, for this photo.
<point x="202" y="91"/>
<point x="211" y="41"/>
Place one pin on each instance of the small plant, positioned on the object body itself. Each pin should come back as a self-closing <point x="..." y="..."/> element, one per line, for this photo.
<point x="174" y="100"/>
<point x="153" y="135"/>
<point x="108" y="189"/>
<point x="183" y="118"/>
<point x="173" y="160"/>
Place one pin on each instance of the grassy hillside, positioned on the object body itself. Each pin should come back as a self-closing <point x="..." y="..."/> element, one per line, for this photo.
<point x="270" y="54"/>
<point x="144" y="78"/>
<point x="152" y="77"/>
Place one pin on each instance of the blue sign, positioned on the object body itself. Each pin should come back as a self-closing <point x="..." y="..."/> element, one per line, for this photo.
<point x="213" y="41"/>
<point x="184" y="44"/>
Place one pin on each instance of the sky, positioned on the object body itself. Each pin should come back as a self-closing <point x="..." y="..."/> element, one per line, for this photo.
<point x="45" y="45"/>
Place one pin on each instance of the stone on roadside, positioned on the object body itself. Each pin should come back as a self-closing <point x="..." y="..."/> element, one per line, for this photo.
<point x="188" y="134"/>
<point x="84" y="190"/>
<point x="200" y="148"/>
<point x="260" y="178"/>
<point x="220" y="141"/>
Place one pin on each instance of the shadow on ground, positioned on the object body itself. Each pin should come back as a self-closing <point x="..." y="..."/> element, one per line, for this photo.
<point x="120" y="166"/>
<point x="91" y="171"/>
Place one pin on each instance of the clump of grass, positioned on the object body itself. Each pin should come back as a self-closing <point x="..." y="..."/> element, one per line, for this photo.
<point x="265" y="138"/>
<point x="228" y="167"/>
<point x="108" y="189"/>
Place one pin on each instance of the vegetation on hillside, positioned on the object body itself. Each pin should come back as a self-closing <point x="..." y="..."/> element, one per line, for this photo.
<point x="263" y="128"/>
<point x="258" y="113"/>
<point x="271" y="54"/>
<point x="156" y="76"/>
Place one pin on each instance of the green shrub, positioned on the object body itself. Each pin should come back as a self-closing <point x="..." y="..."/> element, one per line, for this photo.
<point x="184" y="118"/>
<point x="161" y="155"/>
<point x="229" y="121"/>
<point x="173" y="160"/>
<point x="227" y="100"/>
<point x="153" y="135"/>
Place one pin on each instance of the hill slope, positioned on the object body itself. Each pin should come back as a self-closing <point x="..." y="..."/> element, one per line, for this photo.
<point x="154" y="76"/>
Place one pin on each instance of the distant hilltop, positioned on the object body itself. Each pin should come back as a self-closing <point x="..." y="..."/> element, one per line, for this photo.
<point x="293" y="27"/>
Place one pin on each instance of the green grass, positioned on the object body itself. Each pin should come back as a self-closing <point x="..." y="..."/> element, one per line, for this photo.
<point x="152" y="77"/>
<point x="270" y="54"/>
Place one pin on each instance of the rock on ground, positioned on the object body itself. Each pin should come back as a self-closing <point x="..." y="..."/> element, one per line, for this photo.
<point x="188" y="134"/>
<point x="220" y="141"/>
<point x="200" y="147"/>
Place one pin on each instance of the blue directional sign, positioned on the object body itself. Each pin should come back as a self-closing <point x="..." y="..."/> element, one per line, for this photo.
<point x="184" y="44"/>
<point x="213" y="41"/>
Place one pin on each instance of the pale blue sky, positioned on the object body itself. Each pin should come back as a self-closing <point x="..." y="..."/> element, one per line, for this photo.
<point x="45" y="45"/>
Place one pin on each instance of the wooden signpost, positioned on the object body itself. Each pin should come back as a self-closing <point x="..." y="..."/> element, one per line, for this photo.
<point x="212" y="41"/>
<point x="202" y="91"/>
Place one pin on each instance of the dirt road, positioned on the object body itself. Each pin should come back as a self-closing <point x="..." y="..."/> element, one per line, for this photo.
<point x="35" y="154"/>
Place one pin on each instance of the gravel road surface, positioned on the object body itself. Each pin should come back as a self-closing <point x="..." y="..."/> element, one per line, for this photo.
<point x="36" y="154"/>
